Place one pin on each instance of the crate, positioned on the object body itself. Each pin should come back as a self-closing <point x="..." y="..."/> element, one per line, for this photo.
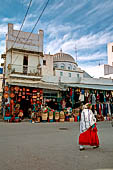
<point x="51" y="117"/>
<point x="62" y="120"/>
<point x="71" y="119"/>
<point x="44" y="116"/>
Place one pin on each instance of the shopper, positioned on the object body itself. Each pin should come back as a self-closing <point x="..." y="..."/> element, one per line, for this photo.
<point x="88" y="130"/>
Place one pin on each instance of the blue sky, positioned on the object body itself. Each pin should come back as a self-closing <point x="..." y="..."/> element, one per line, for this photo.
<point x="86" y="24"/>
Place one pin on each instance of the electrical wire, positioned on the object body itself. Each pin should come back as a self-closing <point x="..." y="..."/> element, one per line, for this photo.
<point x="22" y="22"/>
<point x="34" y="25"/>
<point x="37" y="21"/>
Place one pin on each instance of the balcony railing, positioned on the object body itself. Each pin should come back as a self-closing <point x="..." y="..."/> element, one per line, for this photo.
<point x="24" y="69"/>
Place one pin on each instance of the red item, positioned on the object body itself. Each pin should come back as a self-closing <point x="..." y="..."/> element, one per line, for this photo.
<point x="89" y="137"/>
<point x="100" y="109"/>
<point x="6" y="95"/>
<point x="6" y="88"/>
<point x="24" y="89"/>
<point x="12" y="88"/>
<point x="75" y="118"/>
<point x="12" y="95"/>
<point x="16" y="89"/>
<point x="70" y="91"/>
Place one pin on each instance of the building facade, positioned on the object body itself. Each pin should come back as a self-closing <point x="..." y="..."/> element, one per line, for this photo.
<point x="32" y="77"/>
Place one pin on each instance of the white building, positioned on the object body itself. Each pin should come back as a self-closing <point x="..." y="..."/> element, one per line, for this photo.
<point x="24" y="58"/>
<point x="110" y="53"/>
<point x="65" y="66"/>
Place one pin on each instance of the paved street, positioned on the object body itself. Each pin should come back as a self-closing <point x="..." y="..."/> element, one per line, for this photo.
<point x="52" y="146"/>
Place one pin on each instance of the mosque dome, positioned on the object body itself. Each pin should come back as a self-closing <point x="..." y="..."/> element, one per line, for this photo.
<point x="63" y="57"/>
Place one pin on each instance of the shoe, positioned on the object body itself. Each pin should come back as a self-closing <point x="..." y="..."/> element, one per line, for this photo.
<point x="96" y="147"/>
<point x="81" y="149"/>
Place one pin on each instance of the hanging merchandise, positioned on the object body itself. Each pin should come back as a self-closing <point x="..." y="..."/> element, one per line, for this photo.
<point x="27" y="90"/>
<point x="34" y="90"/>
<point x="12" y="95"/>
<point x="93" y="99"/>
<point x="70" y="91"/>
<point x="81" y="97"/>
<point x="23" y="97"/>
<point x="98" y="97"/>
<point x="19" y="99"/>
<point x="41" y="92"/>
<point x="6" y="88"/>
<point x="12" y="89"/>
<point x="6" y="95"/>
<point x="23" y="93"/>
<point x="19" y="94"/>
<point x="27" y="93"/>
<point x="27" y="98"/>
<point x="16" y="89"/>
<point x="38" y="94"/>
<point x="24" y="89"/>
<point x="82" y="91"/>
<point x="34" y="97"/>
<point x="41" y="97"/>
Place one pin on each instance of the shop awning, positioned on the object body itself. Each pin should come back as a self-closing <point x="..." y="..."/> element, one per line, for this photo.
<point x="91" y="86"/>
<point x="38" y="85"/>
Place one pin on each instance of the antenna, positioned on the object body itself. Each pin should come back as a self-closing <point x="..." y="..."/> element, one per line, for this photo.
<point x="76" y="53"/>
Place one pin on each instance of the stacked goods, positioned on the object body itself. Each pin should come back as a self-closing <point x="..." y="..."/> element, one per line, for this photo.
<point x="76" y="111"/>
<point x="51" y="116"/>
<point x="76" y="114"/>
<point x="67" y="117"/>
<point x="71" y="119"/>
<point x="44" y="116"/>
<point x="62" y="117"/>
<point x="38" y="119"/>
<point x="56" y="116"/>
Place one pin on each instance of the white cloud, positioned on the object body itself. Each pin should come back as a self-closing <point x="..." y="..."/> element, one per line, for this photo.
<point x="68" y="41"/>
<point x="2" y="46"/>
<point x="3" y="29"/>
<point x="94" y="71"/>
<point x="8" y="20"/>
<point x="95" y="56"/>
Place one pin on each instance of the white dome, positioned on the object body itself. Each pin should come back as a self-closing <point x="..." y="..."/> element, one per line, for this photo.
<point x="62" y="57"/>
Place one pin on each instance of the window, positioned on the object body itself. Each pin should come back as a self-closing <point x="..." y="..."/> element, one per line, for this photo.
<point x="25" y="60"/>
<point x="44" y="62"/>
<point x="69" y="67"/>
<point x="62" y="67"/>
<point x="25" y="64"/>
<point x="69" y="74"/>
<point x="61" y="73"/>
<point x="74" y="68"/>
<point x="78" y="76"/>
<point x="55" y="66"/>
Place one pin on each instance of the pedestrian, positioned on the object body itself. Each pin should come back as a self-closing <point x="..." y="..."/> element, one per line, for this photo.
<point x="88" y="130"/>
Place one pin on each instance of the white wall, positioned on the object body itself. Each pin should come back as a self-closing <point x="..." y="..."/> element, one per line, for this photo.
<point x="48" y="68"/>
<point x="110" y="53"/>
<point x="15" y="58"/>
<point x="74" y="74"/>
<point x="34" y="43"/>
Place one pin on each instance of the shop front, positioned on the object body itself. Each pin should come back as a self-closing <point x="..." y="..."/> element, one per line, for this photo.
<point x="20" y="101"/>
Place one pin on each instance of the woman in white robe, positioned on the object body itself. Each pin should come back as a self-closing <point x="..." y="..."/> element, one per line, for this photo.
<point x="88" y="121"/>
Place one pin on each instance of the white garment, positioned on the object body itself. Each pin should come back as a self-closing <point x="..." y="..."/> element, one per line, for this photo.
<point x="87" y="120"/>
<point x="81" y="97"/>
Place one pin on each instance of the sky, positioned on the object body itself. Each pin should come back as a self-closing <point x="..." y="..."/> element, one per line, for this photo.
<point x="81" y="28"/>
